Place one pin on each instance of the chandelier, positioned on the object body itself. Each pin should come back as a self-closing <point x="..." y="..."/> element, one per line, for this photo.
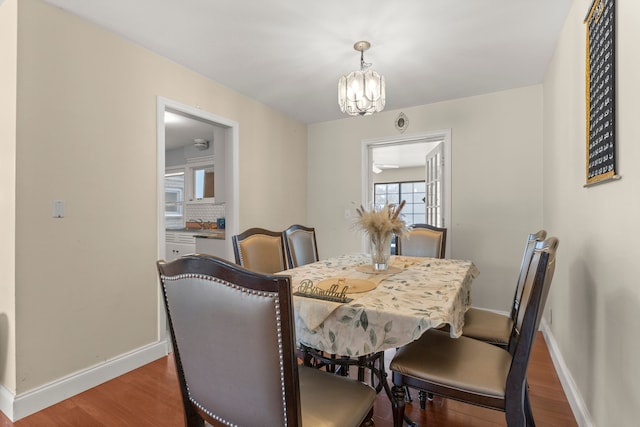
<point x="361" y="93"/>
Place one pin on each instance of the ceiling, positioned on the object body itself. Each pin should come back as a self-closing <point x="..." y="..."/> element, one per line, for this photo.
<point x="406" y="155"/>
<point x="181" y="130"/>
<point x="289" y="54"/>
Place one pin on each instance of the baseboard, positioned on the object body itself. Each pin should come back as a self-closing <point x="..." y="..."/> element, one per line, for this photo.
<point x="6" y="401"/>
<point x="24" y="404"/>
<point x="580" y="411"/>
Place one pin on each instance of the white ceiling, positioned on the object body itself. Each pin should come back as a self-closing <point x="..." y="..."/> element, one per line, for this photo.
<point x="406" y="155"/>
<point x="180" y="130"/>
<point x="289" y="54"/>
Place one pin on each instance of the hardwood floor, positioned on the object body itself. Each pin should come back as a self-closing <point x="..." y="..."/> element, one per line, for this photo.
<point x="149" y="396"/>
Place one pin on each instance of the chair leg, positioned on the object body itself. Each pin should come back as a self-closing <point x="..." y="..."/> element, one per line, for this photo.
<point x="192" y="418"/>
<point x="307" y="360"/>
<point x="331" y="367"/>
<point x="361" y="365"/>
<point x="527" y="409"/>
<point x="397" y="405"/>
<point x="422" y="396"/>
<point x="515" y="410"/>
<point x="344" y="369"/>
<point x="407" y="392"/>
<point x="368" y="421"/>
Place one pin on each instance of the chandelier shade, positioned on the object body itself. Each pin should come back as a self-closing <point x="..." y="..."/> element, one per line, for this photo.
<point x="361" y="93"/>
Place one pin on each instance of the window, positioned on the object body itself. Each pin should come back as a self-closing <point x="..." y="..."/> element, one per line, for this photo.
<point x="203" y="182"/>
<point x="200" y="179"/>
<point x="394" y="192"/>
<point x="174" y="198"/>
<point x="413" y="193"/>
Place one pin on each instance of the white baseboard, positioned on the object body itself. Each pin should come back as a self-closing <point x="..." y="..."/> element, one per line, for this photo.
<point x="24" y="404"/>
<point x="580" y="411"/>
<point x="6" y="401"/>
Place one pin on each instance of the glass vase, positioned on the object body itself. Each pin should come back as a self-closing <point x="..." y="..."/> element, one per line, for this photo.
<point x="380" y="250"/>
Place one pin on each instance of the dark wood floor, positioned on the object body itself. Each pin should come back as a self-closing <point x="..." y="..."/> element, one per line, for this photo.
<point x="149" y="396"/>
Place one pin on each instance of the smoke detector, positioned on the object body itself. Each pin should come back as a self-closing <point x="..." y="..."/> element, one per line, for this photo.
<point x="200" y="143"/>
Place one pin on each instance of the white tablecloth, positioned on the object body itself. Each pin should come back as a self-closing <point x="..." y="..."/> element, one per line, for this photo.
<point x="426" y="293"/>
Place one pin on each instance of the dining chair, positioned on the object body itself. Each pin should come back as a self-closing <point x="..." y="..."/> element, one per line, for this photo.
<point x="300" y="245"/>
<point x="495" y="328"/>
<point x="260" y="250"/>
<point x="233" y="338"/>
<point x="474" y="371"/>
<point x="423" y="240"/>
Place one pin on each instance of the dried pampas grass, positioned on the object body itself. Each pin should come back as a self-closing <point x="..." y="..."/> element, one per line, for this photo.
<point x="381" y="221"/>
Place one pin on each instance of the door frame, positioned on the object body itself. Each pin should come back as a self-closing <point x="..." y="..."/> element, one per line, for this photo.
<point x="368" y="145"/>
<point x="231" y="175"/>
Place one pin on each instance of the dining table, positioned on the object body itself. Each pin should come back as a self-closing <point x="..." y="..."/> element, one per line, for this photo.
<point x="345" y="309"/>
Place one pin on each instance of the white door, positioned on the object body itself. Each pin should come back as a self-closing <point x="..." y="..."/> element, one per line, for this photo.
<point x="434" y="186"/>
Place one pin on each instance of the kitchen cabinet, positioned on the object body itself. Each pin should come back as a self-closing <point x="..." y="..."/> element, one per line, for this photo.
<point x="178" y="244"/>
<point x="215" y="246"/>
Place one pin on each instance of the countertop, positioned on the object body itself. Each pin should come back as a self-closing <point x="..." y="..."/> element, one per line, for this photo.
<point x="204" y="234"/>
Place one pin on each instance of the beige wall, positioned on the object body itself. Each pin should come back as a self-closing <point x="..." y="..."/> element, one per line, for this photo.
<point x="8" y="58"/>
<point x="86" y="122"/>
<point x="496" y="203"/>
<point x="595" y="296"/>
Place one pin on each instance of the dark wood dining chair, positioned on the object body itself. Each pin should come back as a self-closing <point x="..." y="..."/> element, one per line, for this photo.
<point x="260" y="250"/>
<point x="423" y="240"/>
<point x="234" y="342"/>
<point x="474" y="371"/>
<point x="495" y="328"/>
<point x="300" y="245"/>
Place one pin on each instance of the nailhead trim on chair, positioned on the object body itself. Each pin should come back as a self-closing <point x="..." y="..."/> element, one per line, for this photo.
<point x="272" y="295"/>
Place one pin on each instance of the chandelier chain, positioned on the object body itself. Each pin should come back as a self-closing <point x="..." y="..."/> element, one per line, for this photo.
<point x="363" y="65"/>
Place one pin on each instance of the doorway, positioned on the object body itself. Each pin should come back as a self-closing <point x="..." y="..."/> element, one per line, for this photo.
<point x="410" y="158"/>
<point x="229" y="170"/>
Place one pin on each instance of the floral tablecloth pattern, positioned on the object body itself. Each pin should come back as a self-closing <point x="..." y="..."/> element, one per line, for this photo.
<point x="426" y="293"/>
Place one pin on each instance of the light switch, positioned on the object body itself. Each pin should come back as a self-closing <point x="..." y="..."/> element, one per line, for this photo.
<point x="58" y="209"/>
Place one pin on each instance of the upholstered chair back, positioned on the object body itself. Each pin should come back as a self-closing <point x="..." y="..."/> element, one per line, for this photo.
<point x="228" y="337"/>
<point x="542" y="267"/>
<point x="423" y="240"/>
<point x="300" y="245"/>
<point x="260" y="250"/>
<point x="530" y="246"/>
